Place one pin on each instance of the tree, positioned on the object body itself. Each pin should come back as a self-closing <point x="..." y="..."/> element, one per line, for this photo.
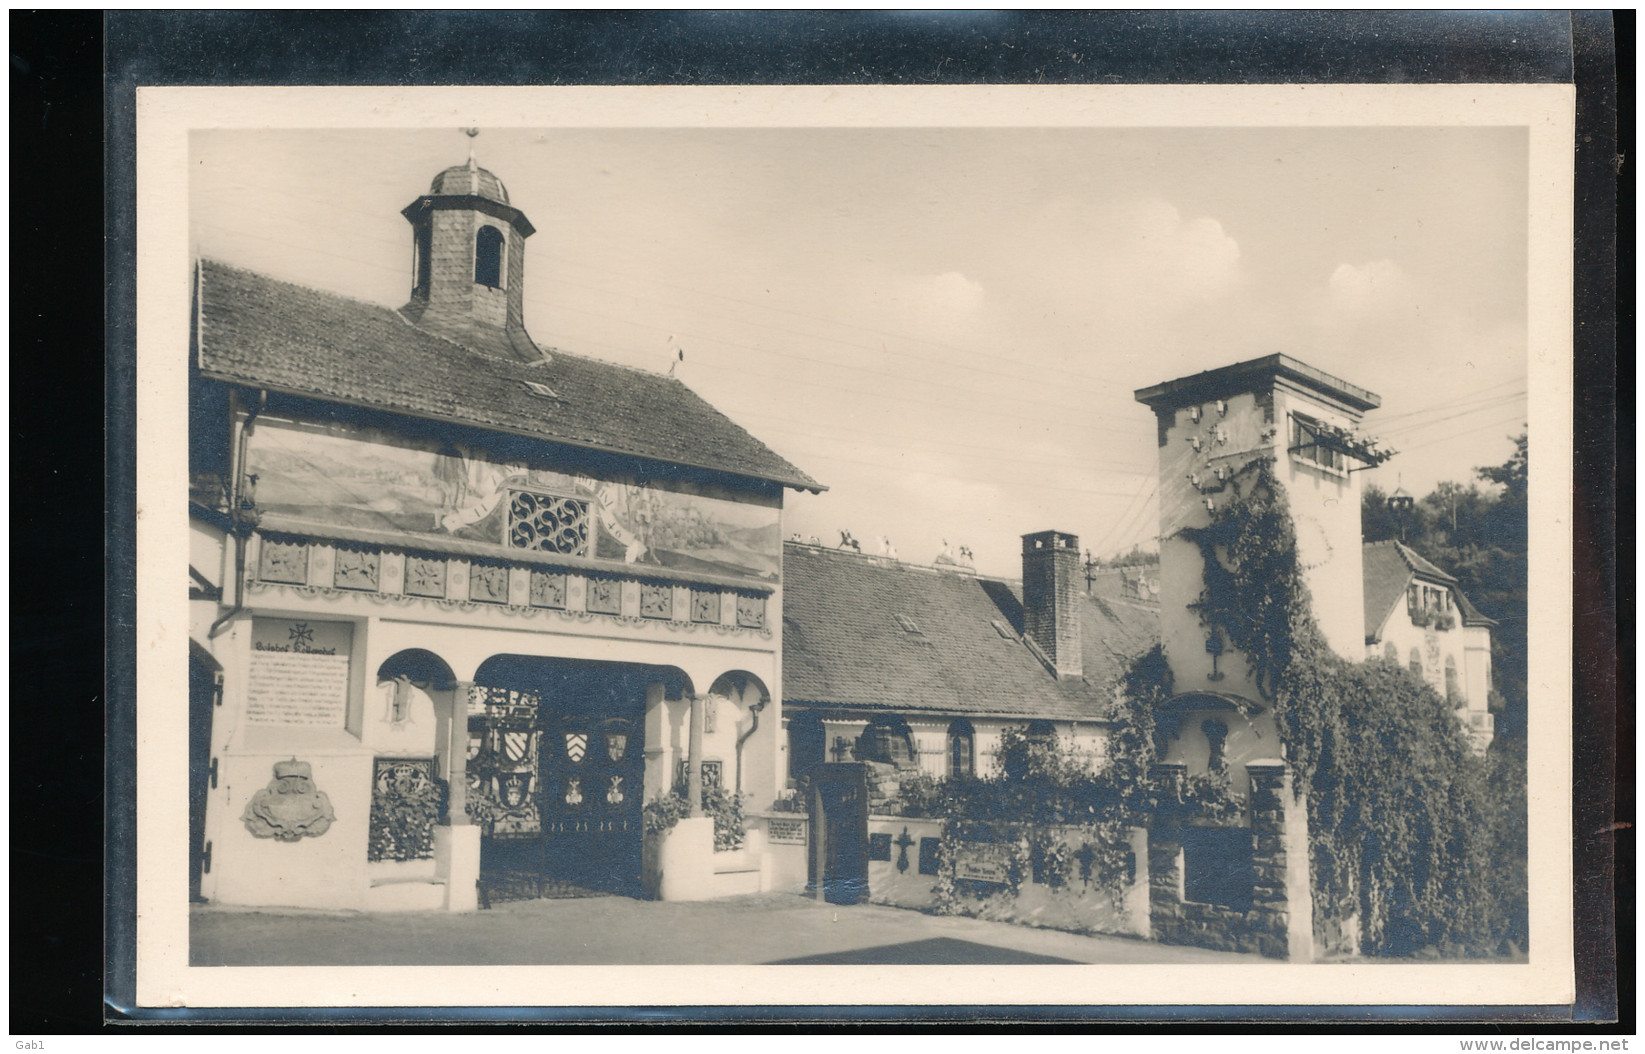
<point x="1478" y="535"/>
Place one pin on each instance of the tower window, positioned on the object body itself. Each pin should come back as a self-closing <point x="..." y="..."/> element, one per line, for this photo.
<point x="488" y="257"/>
<point x="424" y="260"/>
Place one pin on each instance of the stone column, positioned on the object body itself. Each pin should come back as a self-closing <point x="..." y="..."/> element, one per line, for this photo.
<point x="1282" y="894"/>
<point x="1165" y="898"/>
<point x="457" y="756"/>
<point x="694" y="761"/>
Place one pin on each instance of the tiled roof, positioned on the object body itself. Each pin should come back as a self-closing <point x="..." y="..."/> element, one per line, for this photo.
<point x="1388" y="568"/>
<point x="258" y="331"/>
<point x="845" y="646"/>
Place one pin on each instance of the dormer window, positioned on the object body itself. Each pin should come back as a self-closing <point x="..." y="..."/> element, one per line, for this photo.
<point x="488" y="257"/>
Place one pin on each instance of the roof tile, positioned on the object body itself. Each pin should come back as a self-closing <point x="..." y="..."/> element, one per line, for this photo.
<point x="259" y="331"/>
<point x="843" y="645"/>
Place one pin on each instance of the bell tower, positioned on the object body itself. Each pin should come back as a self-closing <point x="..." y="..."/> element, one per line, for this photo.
<point x="468" y="263"/>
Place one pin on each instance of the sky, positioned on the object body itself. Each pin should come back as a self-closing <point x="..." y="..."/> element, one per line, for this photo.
<point x="946" y="326"/>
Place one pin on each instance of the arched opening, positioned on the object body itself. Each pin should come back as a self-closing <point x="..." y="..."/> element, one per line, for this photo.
<point x="422" y="259"/>
<point x="747" y="697"/>
<point x="420" y="748"/>
<point x="1390" y="651"/>
<point x="962" y="750"/>
<point x="422" y="668"/>
<point x="888" y="740"/>
<point x="488" y="257"/>
<point x="1453" y="689"/>
<point x="562" y="754"/>
<point x="1416" y="663"/>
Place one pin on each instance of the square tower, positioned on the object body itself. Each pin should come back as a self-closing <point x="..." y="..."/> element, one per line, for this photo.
<point x="1212" y="426"/>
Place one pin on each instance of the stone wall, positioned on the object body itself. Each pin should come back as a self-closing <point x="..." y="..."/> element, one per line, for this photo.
<point x="1279" y="920"/>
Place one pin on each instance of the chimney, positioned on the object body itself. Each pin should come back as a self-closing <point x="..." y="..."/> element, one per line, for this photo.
<point x="1051" y="598"/>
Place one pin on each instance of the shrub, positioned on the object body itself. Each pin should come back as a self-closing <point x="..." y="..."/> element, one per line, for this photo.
<point x="662" y="813"/>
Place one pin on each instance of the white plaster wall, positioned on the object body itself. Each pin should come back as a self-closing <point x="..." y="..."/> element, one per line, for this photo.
<point x="1183" y="505"/>
<point x="1434" y="647"/>
<point x="1249" y="738"/>
<point x="207" y="552"/>
<point x="324" y="872"/>
<point x="887" y="885"/>
<point x="1476" y="643"/>
<point x="1325" y="506"/>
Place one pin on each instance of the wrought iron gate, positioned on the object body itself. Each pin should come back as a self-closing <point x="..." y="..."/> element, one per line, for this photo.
<point x="557" y="796"/>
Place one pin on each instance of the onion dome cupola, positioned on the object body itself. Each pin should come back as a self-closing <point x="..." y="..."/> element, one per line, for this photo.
<point x="468" y="263"/>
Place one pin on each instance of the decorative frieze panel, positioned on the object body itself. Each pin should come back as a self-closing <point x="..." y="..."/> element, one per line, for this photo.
<point x="488" y="584"/>
<point x="605" y="596"/>
<point x="390" y="576"/>
<point x="425" y="576"/>
<point x="751" y="611"/>
<point x="282" y="561"/>
<point x="705" y="605"/>
<point x="356" y="569"/>
<point x="547" y="589"/>
<point x="656" y="600"/>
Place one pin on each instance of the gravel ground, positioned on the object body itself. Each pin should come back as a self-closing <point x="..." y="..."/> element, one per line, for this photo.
<point x="755" y="929"/>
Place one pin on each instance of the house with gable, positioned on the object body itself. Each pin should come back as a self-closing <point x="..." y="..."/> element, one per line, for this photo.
<point x="461" y="603"/>
<point x="1418" y="616"/>
<point x="923" y="667"/>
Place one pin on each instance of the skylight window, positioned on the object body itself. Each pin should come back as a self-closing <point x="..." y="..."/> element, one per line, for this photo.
<point x="537" y="388"/>
<point x="1003" y="630"/>
<point x="908" y="624"/>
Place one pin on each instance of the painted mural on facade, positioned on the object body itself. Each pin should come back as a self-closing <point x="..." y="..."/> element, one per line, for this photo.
<point x="344" y="476"/>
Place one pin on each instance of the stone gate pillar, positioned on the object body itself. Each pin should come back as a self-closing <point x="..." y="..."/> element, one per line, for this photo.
<point x="1282" y="891"/>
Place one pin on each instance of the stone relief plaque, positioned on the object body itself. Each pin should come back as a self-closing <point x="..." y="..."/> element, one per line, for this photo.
<point x="705" y="605"/>
<point x="547" y="590"/>
<point x="279" y="561"/>
<point x="488" y="584"/>
<point x="291" y="807"/>
<point x="355" y="569"/>
<point x="656" y="601"/>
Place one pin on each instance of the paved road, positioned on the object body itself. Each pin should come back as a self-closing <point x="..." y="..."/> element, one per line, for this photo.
<point x="761" y="928"/>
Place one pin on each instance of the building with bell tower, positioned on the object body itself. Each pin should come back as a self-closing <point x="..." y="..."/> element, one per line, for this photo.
<point x="460" y="606"/>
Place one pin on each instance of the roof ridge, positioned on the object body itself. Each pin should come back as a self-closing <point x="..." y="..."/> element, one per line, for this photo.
<point x="225" y="265"/>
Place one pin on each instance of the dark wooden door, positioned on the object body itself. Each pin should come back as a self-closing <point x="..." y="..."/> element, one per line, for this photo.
<point x="839" y="825"/>
<point x="202" y="695"/>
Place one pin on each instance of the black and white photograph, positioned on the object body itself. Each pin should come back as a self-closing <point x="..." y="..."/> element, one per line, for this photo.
<point x="1084" y="533"/>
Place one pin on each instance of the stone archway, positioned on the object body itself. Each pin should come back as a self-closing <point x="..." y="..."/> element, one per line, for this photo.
<point x="561" y="761"/>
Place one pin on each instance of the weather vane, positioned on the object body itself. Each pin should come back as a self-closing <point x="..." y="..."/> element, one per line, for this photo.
<point x="471" y="133"/>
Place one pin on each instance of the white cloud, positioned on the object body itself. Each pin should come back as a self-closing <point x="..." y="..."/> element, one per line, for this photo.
<point x="1376" y="286"/>
<point x="1157" y="244"/>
